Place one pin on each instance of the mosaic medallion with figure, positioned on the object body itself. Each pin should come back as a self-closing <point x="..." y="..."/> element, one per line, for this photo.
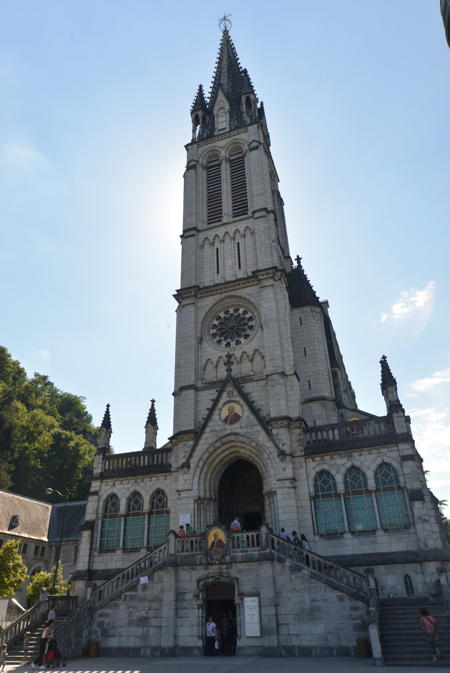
<point x="232" y="326"/>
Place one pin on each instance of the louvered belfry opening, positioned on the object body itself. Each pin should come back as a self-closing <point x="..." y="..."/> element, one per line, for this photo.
<point x="214" y="190"/>
<point x="239" y="200"/>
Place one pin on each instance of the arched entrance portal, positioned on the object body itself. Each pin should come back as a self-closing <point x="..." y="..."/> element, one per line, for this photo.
<point x="241" y="494"/>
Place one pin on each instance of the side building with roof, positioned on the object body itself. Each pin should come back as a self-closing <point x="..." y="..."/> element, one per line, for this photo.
<point x="40" y="528"/>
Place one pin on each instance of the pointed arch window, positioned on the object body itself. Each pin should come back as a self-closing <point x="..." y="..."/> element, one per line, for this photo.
<point x="221" y="120"/>
<point x="327" y="505"/>
<point x="358" y="499"/>
<point x="213" y="190"/>
<point x="238" y="180"/>
<point x="409" y="586"/>
<point x="134" y="533"/>
<point x="158" y="519"/>
<point x="391" y="501"/>
<point x="111" y="524"/>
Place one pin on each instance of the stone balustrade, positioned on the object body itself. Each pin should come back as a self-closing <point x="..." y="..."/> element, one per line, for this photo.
<point x="361" y="433"/>
<point x="150" y="461"/>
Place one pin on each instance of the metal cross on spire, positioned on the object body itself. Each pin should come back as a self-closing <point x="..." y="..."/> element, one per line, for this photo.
<point x="224" y="22"/>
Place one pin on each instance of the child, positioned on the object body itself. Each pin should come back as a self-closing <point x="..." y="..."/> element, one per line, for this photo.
<point x="26" y="646"/>
<point x="3" y="655"/>
<point x="428" y="625"/>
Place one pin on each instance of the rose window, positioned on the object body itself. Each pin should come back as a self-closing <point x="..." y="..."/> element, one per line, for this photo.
<point x="232" y="327"/>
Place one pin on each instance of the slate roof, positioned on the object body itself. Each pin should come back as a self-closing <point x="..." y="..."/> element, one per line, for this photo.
<point x="32" y="516"/>
<point x="445" y="10"/>
<point x="73" y="519"/>
<point x="301" y="292"/>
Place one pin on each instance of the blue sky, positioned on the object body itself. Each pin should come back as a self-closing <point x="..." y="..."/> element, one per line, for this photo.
<point x="94" y="115"/>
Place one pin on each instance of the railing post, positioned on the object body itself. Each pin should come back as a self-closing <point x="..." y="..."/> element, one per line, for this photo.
<point x="374" y="635"/>
<point x="264" y="536"/>
<point x="171" y="542"/>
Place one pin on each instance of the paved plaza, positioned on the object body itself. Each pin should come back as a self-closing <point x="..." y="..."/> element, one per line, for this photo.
<point x="225" y="665"/>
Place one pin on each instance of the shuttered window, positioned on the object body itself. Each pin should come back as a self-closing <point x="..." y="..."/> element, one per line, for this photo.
<point x="213" y="191"/>
<point x="239" y="200"/>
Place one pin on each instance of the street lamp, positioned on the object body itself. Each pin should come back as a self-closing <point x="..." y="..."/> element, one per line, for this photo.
<point x="50" y="491"/>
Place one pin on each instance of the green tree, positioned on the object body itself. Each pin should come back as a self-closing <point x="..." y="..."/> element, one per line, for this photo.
<point x="46" y="435"/>
<point x="46" y="580"/>
<point x="38" y="582"/>
<point x="57" y="585"/>
<point x="13" y="572"/>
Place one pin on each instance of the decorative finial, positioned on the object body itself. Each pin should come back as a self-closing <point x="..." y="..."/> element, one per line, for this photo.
<point x="225" y="23"/>
<point x="298" y="259"/>
<point x="151" y="428"/>
<point x="228" y="363"/>
<point x="106" y="422"/>
<point x="104" y="435"/>
<point x="387" y="377"/>
<point x="151" y="418"/>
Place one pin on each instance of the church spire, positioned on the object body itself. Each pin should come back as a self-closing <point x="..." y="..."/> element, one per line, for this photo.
<point x="228" y="72"/>
<point x="105" y="430"/>
<point x="151" y="428"/>
<point x="232" y="95"/>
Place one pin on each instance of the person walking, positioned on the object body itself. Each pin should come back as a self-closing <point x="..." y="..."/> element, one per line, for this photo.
<point x="304" y="542"/>
<point x="181" y="531"/>
<point x="210" y="640"/>
<point x="3" y="655"/>
<point x="284" y="535"/>
<point x="295" y="537"/>
<point x="428" y="624"/>
<point x="45" y="635"/>
<point x="51" y="613"/>
<point x="26" y="647"/>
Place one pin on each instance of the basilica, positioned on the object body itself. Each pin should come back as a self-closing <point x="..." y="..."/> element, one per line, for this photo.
<point x="266" y="430"/>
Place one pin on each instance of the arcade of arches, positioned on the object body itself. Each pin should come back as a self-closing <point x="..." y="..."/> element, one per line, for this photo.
<point x="240" y="494"/>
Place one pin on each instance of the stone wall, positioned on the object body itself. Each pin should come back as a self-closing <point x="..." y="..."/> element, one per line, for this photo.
<point x="299" y="615"/>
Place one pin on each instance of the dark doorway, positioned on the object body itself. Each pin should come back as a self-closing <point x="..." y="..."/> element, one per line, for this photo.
<point x="241" y="495"/>
<point x="220" y="605"/>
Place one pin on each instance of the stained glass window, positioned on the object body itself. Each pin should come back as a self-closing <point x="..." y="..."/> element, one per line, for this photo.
<point x="327" y="505"/>
<point x="111" y="524"/>
<point x="158" y="519"/>
<point x="391" y="502"/>
<point x="359" y="505"/>
<point x="134" y="534"/>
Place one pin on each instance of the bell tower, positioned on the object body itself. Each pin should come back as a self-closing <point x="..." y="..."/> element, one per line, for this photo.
<point x="233" y="295"/>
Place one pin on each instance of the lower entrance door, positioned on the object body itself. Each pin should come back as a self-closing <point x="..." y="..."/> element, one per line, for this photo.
<point x="220" y="605"/>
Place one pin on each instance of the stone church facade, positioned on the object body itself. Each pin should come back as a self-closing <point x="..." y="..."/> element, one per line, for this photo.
<point x="267" y="429"/>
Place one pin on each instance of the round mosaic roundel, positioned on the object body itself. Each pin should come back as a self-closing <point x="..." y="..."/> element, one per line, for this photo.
<point x="232" y="326"/>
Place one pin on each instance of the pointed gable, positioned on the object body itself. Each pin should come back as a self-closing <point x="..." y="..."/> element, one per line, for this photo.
<point x="239" y="397"/>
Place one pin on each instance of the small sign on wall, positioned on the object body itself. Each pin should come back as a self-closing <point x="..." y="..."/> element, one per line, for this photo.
<point x="251" y="616"/>
<point x="184" y="519"/>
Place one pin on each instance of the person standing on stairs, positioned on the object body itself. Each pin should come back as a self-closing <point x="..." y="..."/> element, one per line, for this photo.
<point x="3" y="655"/>
<point x="46" y="634"/>
<point x="428" y="625"/>
<point x="26" y="646"/>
